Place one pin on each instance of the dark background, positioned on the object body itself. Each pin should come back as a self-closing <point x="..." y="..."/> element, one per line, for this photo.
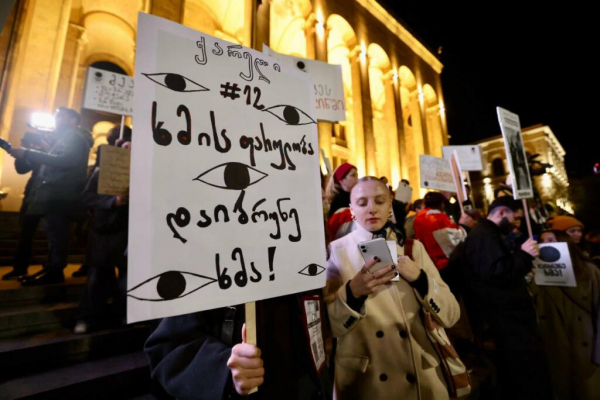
<point x="537" y="62"/>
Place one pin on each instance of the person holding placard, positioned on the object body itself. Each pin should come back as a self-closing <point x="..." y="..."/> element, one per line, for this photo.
<point x="570" y="325"/>
<point x="383" y="351"/>
<point x="107" y="243"/>
<point x="495" y="287"/>
<point x="205" y="355"/>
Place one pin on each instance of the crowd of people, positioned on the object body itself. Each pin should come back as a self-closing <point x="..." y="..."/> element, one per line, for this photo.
<point x="461" y="288"/>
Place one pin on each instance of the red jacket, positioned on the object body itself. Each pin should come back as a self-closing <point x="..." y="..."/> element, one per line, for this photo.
<point x="426" y="223"/>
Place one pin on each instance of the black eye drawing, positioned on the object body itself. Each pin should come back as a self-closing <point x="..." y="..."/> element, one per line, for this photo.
<point x="169" y="285"/>
<point x="312" y="270"/>
<point x="176" y="82"/>
<point x="290" y="115"/>
<point x="231" y="176"/>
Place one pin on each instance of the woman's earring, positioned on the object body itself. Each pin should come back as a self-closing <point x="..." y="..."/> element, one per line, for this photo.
<point x="353" y="217"/>
<point x="391" y="214"/>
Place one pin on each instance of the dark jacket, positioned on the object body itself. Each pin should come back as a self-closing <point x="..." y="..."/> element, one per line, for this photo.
<point x="63" y="170"/>
<point x="496" y="288"/>
<point x="106" y="217"/>
<point x="188" y="354"/>
<point x="495" y="273"/>
<point x="23" y="167"/>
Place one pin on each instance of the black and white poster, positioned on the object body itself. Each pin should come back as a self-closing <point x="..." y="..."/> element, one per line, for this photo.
<point x="515" y="154"/>
<point x="225" y="188"/>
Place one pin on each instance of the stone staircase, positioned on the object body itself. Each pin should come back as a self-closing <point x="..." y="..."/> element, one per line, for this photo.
<point x="40" y="357"/>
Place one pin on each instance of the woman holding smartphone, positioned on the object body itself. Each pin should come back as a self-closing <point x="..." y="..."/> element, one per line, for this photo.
<point x="383" y="351"/>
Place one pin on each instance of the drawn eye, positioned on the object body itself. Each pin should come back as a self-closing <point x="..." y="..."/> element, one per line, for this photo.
<point x="290" y="115"/>
<point x="312" y="270"/>
<point x="169" y="285"/>
<point x="176" y="82"/>
<point x="232" y="176"/>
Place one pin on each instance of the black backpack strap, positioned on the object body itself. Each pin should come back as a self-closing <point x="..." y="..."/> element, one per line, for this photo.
<point x="228" y="325"/>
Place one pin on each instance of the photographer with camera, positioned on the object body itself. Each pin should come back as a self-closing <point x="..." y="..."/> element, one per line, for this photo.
<point x="38" y="140"/>
<point x="55" y="192"/>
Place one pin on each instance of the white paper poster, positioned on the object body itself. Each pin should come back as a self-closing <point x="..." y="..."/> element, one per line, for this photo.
<point x="225" y="187"/>
<point x="436" y="173"/>
<point x="330" y="103"/>
<point x="108" y="91"/>
<point x="403" y="193"/>
<point x="554" y="267"/>
<point x="469" y="156"/>
<point x="115" y="165"/>
<point x="515" y="154"/>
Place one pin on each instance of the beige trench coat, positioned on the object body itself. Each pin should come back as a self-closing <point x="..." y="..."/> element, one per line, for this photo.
<point x="383" y="351"/>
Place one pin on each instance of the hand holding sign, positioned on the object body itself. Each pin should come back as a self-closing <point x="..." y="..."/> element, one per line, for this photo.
<point x="531" y="247"/>
<point x="246" y="366"/>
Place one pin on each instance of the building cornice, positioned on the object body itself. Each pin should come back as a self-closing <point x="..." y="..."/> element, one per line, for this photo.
<point x="403" y="34"/>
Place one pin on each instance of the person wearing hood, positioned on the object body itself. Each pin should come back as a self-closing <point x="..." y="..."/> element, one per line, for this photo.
<point x="56" y="191"/>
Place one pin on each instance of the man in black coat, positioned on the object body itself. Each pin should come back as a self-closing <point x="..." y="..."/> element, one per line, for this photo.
<point x="203" y="355"/>
<point x="496" y="287"/>
<point x="56" y="191"/>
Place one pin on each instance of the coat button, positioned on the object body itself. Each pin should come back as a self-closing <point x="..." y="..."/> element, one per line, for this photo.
<point x="403" y="334"/>
<point x="379" y="334"/>
<point x="383" y="377"/>
<point x="410" y="378"/>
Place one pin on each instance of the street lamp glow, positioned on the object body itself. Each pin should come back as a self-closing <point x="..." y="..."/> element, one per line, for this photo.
<point x="42" y="121"/>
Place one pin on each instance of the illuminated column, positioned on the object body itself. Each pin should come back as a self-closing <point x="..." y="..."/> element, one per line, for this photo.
<point x="262" y="26"/>
<point x="422" y="113"/>
<point x="33" y="81"/>
<point x="311" y="37"/>
<point x="391" y="127"/>
<point x="357" y="105"/>
<point x="367" y="112"/>
<point x="399" y="129"/>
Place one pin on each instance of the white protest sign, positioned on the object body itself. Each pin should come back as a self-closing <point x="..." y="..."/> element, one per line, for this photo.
<point x="225" y="188"/>
<point x="436" y="173"/>
<point x="515" y="154"/>
<point x="327" y="163"/>
<point x="553" y="267"/>
<point x="469" y="156"/>
<point x="114" y="170"/>
<point x="330" y="102"/>
<point x="403" y="193"/>
<point x="108" y="91"/>
<point x="459" y="184"/>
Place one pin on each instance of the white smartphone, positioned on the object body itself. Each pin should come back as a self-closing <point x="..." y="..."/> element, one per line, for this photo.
<point x="376" y="248"/>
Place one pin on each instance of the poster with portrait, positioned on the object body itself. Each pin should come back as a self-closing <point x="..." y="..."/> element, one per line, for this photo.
<point x="515" y="154"/>
<point x="225" y="201"/>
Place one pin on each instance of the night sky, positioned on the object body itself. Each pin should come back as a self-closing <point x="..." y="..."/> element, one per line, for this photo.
<point x="535" y="62"/>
